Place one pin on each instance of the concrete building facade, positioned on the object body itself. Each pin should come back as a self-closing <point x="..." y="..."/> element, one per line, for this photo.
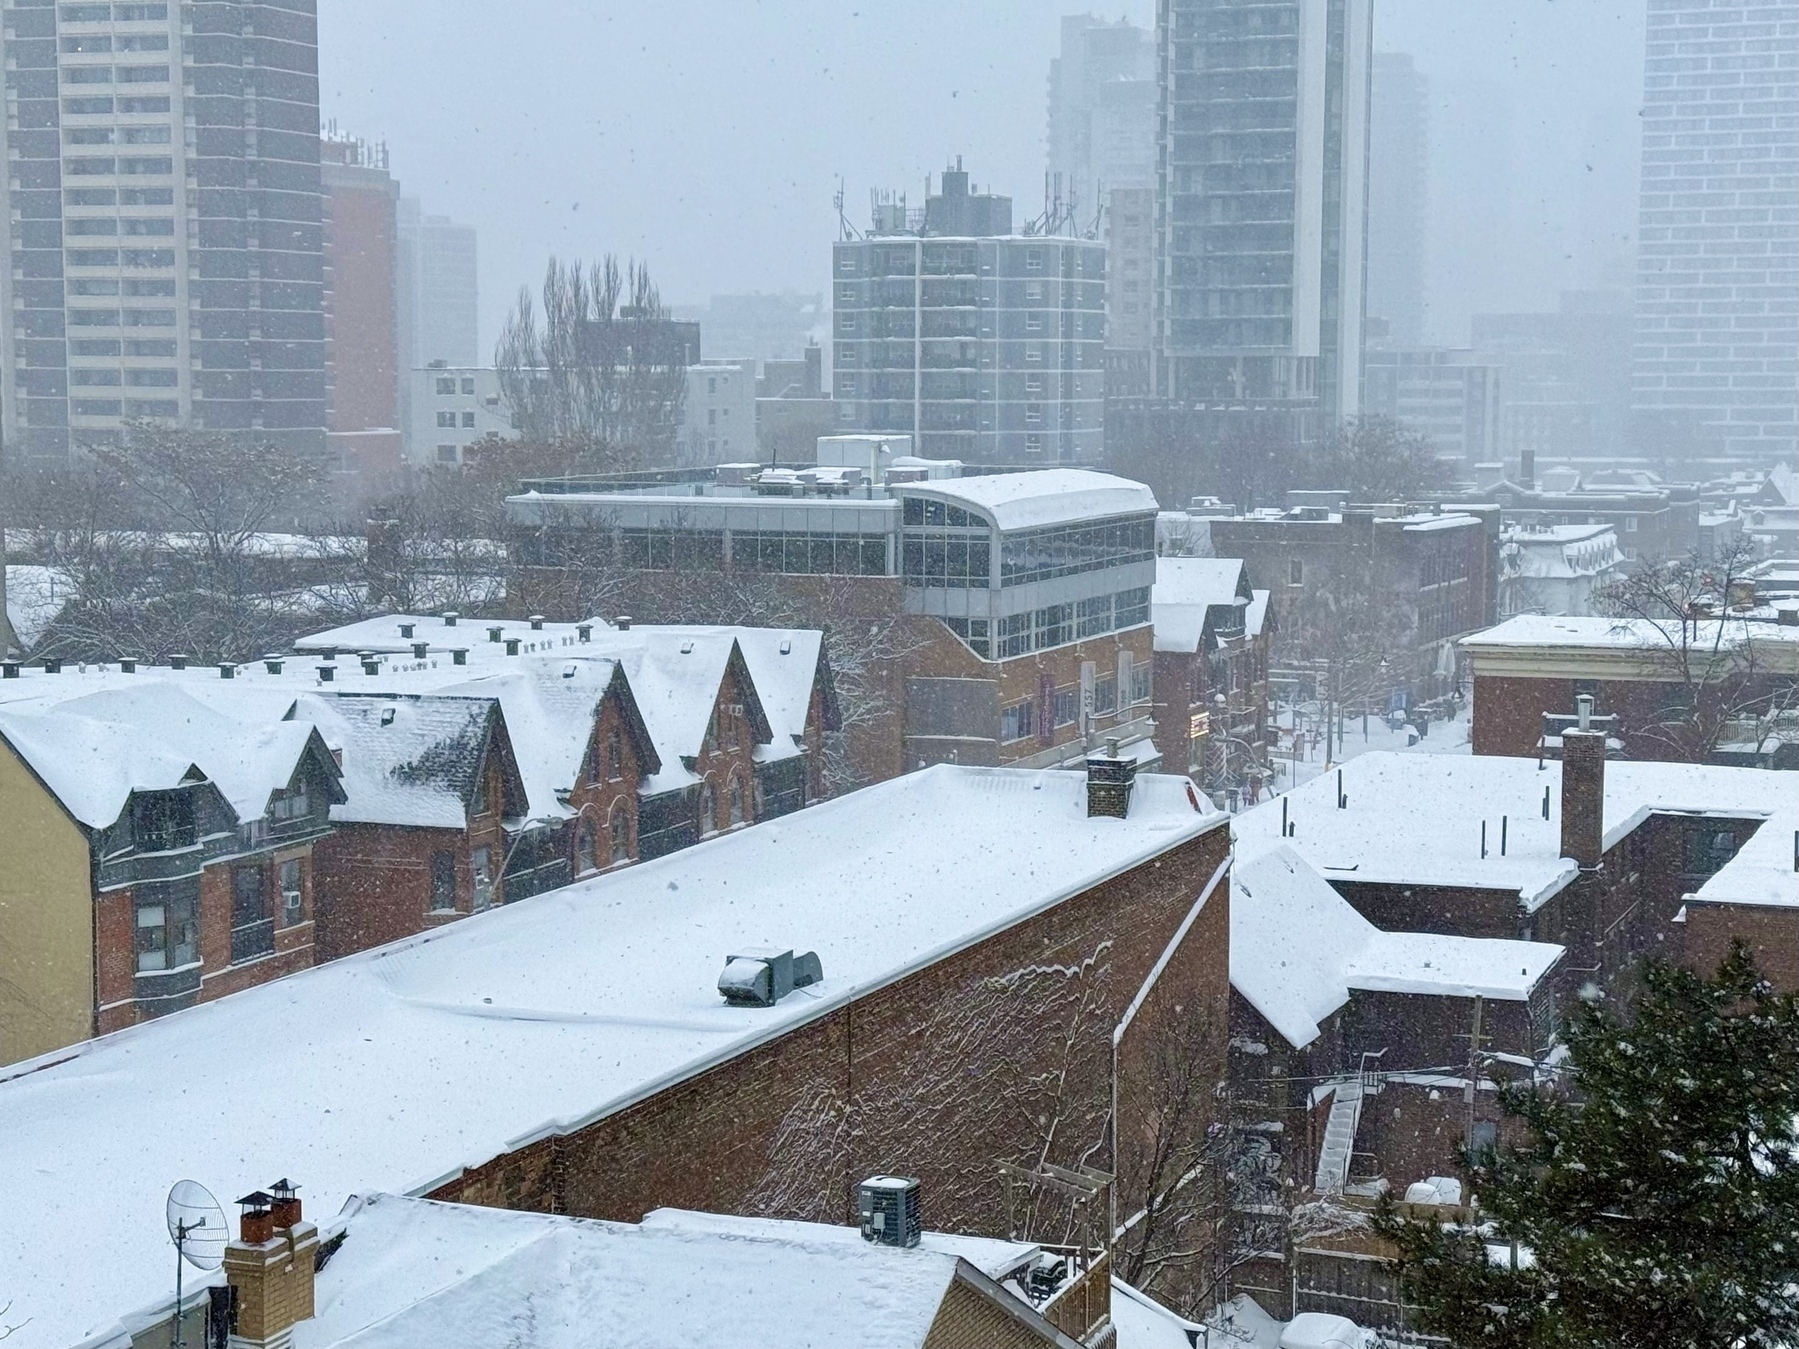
<point x="1102" y="110"/>
<point x="1130" y="290"/>
<point x="718" y="418"/>
<point x="1262" y="201"/>
<point x="985" y="345"/>
<point x="1716" y="370"/>
<point x="1453" y="397"/>
<point x="163" y="180"/>
<point x="1398" y="195"/>
<point x="448" y="409"/>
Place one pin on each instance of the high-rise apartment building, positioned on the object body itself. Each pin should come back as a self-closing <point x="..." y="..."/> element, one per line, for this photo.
<point x="439" y="309"/>
<point x="1102" y="110"/>
<point x="1262" y="201"/>
<point x="1130" y="290"/>
<point x="1716" y="362"/>
<point x="361" y="297"/>
<point x="1398" y="178"/>
<point x="163" y="188"/>
<point x="987" y="346"/>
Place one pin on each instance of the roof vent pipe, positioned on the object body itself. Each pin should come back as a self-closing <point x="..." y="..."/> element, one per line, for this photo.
<point x="512" y="646"/>
<point x="495" y="633"/>
<point x="450" y="617"/>
<point x="536" y="622"/>
<point x="459" y="656"/>
<point x="622" y="622"/>
<point x="126" y="666"/>
<point x="406" y="629"/>
<point x="176" y="662"/>
<point x="327" y="673"/>
<point x="584" y="631"/>
<point x="272" y="664"/>
<point x="420" y="649"/>
<point x="227" y="670"/>
<point x="10" y="669"/>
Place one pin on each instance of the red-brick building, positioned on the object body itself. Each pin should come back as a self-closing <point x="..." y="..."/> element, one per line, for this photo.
<point x="998" y="970"/>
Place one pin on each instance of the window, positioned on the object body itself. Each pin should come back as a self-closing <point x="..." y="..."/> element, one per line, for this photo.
<point x="293" y="891"/>
<point x="87" y="135"/>
<point x="162" y="821"/>
<point x="481" y="864"/>
<point x="1068" y="706"/>
<point x="1296" y="572"/>
<point x="1033" y="323"/>
<point x="1130" y="608"/>
<point x="1018" y="722"/>
<point x="1033" y="290"/>
<point x="1483" y="1136"/>
<point x="446" y="386"/>
<point x="1105" y="695"/>
<point x="1033" y="351"/>
<point x="87" y="44"/>
<point x="167" y="935"/>
<point x="734" y="796"/>
<point x="1033" y="259"/>
<point x="87" y="75"/>
<point x="621" y="835"/>
<point x="85" y="13"/>
<point x="478" y="802"/>
<point x="1707" y="848"/>
<point x="1014" y="635"/>
<point x="87" y="107"/>
<point x="1630" y="524"/>
<point x="1093" y="617"/>
<point x="615" y="754"/>
<point x="443" y="881"/>
<point x="1140" y="690"/>
<point x="708" y="809"/>
<point x="157" y="104"/>
<point x="468" y="420"/>
<point x="587" y="849"/>
<point x="468" y="384"/>
<point x="446" y="454"/>
<point x="144" y="135"/>
<point x="163" y="228"/>
<point x="292" y="804"/>
<point x="446" y="419"/>
<point x="252" y="927"/>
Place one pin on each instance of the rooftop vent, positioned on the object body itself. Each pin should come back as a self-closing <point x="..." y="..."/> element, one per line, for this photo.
<point x="786" y="646"/>
<point x="450" y="617"/>
<point x="371" y="665"/>
<point x="1110" y="777"/>
<point x="584" y="631"/>
<point x="420" y="650"/>
<point x="328" y="652"/>
<point x="622" y="622"/>
<point x="227" y="670"/>
<point x="459" y="655"/>
<point x="327" y="673"/>
<point x="176" y="662"/>
<point x="495" y="633"/>
<point x="570" y="670"/>
<point x="512" y="646"/>
<point x="387" y="716"/>
<point x="406" y="629"/>
<point x="889" y="1209"/>
<point x="126" y="666"/>
<point x="762" y="976"/>
<point x="10" y="669"/>
<point x="536" y="621"/>
<point x="686" y="648"/>
<point x="272" y="663"/>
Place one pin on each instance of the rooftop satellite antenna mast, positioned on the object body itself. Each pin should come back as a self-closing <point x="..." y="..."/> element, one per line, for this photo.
<point x="197" y="1227"/>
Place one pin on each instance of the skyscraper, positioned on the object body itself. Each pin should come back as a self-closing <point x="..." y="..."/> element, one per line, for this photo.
<point x="438" y="295"/>
<point x="163" y="177"/>
<point x="1102" y="110"/>
<point x="1262" y="201"/>
<point x="1398" y="175"/>
<point x="1716" y="361"/>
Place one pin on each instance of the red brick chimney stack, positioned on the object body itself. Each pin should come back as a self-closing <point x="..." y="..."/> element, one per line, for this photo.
<point x="1583" y="789"/>
<point x="270" y="1269"/>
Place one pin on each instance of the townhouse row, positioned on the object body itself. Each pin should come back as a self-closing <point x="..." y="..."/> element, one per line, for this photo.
<point x="175" y="834"/>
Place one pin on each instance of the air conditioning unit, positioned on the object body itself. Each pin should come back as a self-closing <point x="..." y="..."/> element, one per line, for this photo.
<point x="761" y="976"/>
<point x="291" y="903"/>
<point x="889" y="1208"/>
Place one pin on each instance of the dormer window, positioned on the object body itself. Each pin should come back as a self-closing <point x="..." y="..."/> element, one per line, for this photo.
<point x="162" y="821"/>
<point x="292" y="804"/>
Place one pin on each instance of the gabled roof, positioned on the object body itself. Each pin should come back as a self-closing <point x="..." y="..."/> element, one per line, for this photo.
<point x="410" y="759"/>
<point x="94" y="751"/>
<point x="1186" y="589"/>
<point x="1298" y="949"/>
<point x="677" y="674"/>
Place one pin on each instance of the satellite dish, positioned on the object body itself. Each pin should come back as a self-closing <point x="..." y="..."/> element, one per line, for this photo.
<point x="197" y="1225"/>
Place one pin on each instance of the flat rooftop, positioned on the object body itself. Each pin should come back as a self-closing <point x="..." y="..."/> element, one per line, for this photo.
<point x="1416" y="819"/>
<point x="566" y="1007"/>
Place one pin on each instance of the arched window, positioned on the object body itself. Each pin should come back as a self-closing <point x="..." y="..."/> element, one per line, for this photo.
<point x="615" y="754"/>
<point x="736" y="799"/>
<point x="708" y="809"/>
<point x="587" y="857"/>
<point x="621" y="836"/>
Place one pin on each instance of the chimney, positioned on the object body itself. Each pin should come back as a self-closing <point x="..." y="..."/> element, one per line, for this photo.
<point x="1110" y="777"/>
<point x="420" y="650"/>
<point x="459" y="655"/>
<point x="1527" y="468"/>
<point x="495" y="633"/>
<point x="272" y="663"/>
<point x="327" y="673"/>
<point x="512" y="646"/>
<point x="270" y="1270"/>
<point x="10" y="670"/>
<point x="536" y="622"/>
<point x="450" y="617"/>
<point x="127" y="666"/>
<point x="584" y="631"/>
<point x="1583" y="789"/>
<point x="406" y="629"/>
<point x="622" y="622"/>
<point x="227" y="670"/>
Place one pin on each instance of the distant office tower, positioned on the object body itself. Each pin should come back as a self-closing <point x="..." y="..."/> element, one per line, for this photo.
<point x="1102" y="110"/>
<point x="762" y="325"/>
<point x="988" y="346"/>
<point x="439" y="319"/>
<point x="1451" y="397"/>
<point x="163" y="184"/>
<point x="1130" y="290"/>
<point x="1716" y="368"/>
<point x="361" y="288"/>
<point x="1567" y="380"/>
<point x="1398" y="178"/>
<point x="1262" y="201"/>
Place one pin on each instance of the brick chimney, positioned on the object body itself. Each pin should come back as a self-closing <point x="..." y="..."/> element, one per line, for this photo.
<point x="1110" y="777"/>
<point x="270" y="1269"/>
<point x="1583" y="789"/>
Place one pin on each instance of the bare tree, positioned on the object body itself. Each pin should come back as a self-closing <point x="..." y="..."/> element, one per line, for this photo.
<point x="601" y="368"/>
<point x="1347" y="628"/>
<point x="1719" y="682"/>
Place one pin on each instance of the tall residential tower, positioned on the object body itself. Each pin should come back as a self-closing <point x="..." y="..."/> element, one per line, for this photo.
<point x="163" y="184"/>
<point x="1398" y="179"/>
<point x="1262" y="202"/>
<point x="1716" y="367"/>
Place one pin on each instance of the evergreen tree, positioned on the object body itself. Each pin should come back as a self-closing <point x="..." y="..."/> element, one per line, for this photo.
<point x="1656" y="1202"/>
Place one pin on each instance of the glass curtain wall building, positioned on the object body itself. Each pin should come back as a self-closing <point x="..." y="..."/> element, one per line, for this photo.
<point x="1262" y="201"/>
<point x="163" y="183"/>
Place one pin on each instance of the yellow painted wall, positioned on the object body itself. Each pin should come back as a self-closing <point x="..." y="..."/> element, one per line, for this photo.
<point x="46" y="919"/>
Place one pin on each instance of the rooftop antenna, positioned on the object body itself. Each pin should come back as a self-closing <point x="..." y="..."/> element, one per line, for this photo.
<point x="845" y="230"/>
<point x="197" y="1227"/>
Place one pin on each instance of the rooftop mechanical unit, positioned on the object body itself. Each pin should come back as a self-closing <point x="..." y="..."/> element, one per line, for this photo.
<point x="889" y="1206"/>
<point x="762" y="976"/>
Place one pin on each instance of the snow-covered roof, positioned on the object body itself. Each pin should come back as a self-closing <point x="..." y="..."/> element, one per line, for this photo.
<point x="566" y="1007"/>
<point x="1628" y="647"/>
<point x="1298" y="949"/>
<point x="412" y="1272"/>
<point x="34" y="597"/>
<point x="1256" y="615"/>
<point x="93" y="751"/>
<point x="1185" y="588"/>
<point x="1416" y="819"/>
<point x="406" y="759"/>
<point x="1144" y="1323"/>
<point x="1048" y="496"/>
<point x="1425" y="523"/>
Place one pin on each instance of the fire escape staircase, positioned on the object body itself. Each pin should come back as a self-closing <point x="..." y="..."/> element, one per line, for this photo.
<point x="1340" y="1127"/>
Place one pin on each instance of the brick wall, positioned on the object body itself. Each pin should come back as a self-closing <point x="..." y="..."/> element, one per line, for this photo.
<point x="374" y="882"/>
<point x="1000" y="1052"/>
<point x="1771" y="933"/>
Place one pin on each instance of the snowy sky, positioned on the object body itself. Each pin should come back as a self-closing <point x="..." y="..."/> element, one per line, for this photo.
<point x="708" y="135"/>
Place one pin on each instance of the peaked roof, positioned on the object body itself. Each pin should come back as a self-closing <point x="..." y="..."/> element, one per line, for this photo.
<point x="94" y="751"/>
<point x="1186" y="589"/>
